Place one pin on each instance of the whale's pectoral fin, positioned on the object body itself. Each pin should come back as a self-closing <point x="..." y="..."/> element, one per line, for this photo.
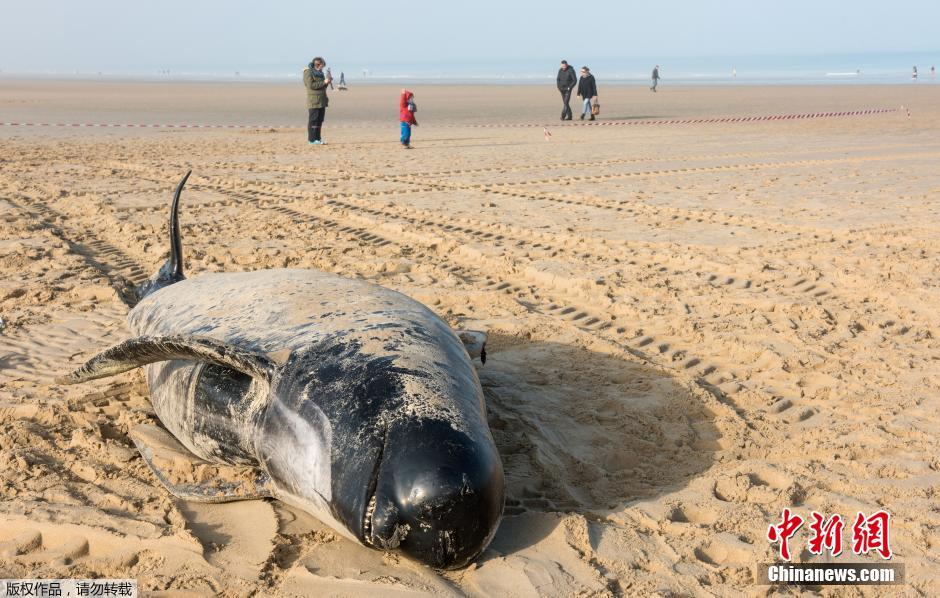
<point x="188" y="477"/>
<point x="474" y="341"/>
<point x="151" y="349"/>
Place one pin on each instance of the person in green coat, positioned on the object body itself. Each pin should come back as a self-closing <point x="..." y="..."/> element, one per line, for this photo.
<point x="316" y="83"/>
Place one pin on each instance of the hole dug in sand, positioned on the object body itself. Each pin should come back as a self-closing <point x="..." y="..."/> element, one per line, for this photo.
<point x="585" y="433"/>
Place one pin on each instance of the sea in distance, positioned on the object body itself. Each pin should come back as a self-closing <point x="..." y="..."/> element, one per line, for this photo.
<point x="805" y="69"/>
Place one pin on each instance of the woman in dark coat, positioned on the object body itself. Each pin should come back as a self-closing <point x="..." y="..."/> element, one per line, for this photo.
<point x="317" y="101"/>
<point x="587" y="91"/>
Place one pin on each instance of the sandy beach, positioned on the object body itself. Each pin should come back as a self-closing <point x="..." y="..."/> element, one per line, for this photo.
<point x="692" y="326"/>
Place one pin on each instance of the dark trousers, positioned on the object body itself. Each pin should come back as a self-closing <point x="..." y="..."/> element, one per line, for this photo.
<point x="315" y="118"/>
<point x="566" y="97"/>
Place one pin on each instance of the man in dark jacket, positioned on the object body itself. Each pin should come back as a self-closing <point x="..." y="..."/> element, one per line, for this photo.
<point x="587" y="91"/>
<point x="566" y="80"/>
<point x="655" y="78"/>
<point x="317" y="101"/>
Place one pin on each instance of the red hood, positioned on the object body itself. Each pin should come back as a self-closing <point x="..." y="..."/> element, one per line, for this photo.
<point x="405" y="96"/>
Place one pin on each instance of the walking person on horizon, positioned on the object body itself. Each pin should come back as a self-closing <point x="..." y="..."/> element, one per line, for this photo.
<point x="587" y="91"/>
<point x="655" y="77"/>
<point x="317" y="101"/>
<point x="566" y="81"/>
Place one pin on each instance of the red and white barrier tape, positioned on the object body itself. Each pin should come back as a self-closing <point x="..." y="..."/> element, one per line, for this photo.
<point x="697" y="121"/>
<point x="139" y="126"/>
<point x="598" y="123"/>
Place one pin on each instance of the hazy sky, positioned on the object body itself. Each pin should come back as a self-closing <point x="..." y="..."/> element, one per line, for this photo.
<point x="65" y="35"/>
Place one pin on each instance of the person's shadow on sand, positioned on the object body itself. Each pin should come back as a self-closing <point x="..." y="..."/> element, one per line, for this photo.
<point x="587" y="433"/>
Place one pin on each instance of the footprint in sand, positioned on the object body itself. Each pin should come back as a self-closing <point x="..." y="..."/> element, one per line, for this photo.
<point x="683" y="513"/>
<point x="28" y="546"/>
<point x="761" y="485"/>
<point x="726" y="549"/>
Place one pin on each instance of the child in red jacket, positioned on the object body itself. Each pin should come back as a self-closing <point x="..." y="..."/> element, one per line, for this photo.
<point x="406" y="114"/>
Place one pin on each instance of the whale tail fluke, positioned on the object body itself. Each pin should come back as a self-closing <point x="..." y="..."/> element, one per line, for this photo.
<point x="172" y="270"/>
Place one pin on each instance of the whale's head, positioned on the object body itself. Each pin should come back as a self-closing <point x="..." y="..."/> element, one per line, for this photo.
<point x="411" y="463"/>
<point x="438" y="494"/>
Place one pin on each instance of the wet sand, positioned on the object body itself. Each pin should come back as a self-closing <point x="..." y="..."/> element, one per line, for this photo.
<point x="692" y="326"/>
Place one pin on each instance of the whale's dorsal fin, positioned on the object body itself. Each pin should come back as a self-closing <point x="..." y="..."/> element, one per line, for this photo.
<point x="143" y="350"/>
<point x="172" y="269"/>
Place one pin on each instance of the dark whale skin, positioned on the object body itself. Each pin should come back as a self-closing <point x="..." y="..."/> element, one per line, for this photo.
<point x="374" y="421"/>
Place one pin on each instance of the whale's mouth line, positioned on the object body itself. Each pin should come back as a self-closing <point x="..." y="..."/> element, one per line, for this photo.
<point x="367" y="521"/>
<point x="373" y="489"/>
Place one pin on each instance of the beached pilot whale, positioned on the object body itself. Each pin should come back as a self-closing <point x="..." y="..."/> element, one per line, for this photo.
<point x="344" y="398"/>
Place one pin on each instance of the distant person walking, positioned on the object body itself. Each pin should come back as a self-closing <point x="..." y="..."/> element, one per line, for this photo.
<point x="566" y="81"/>
<point x="317" y="101"/>
<point x="914" y="74"/>
<point x="655" y="77"/>
<point x="406" y="114"/>
<point x="342" y="81"/>
<point x="587" y="91"/>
